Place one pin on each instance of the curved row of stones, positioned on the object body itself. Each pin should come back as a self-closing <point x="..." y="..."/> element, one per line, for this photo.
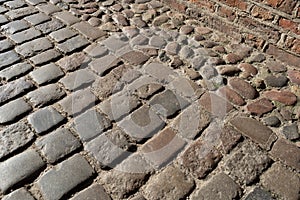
<point x="172" y="113"/>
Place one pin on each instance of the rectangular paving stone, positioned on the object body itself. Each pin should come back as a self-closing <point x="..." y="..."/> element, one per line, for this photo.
<point x="73" y="44"/>
<point x="48" y="8"/>
<point x="25" y="36"/>
<point x="37" y="18"/>
<point x="160" y="71"/>
<point x="46" y="74"/>
<point x="45" y="95"/>
<point x="163" y="148"/>
<point x="95" y="192"/>
<point x="19" y="194"/>
<point x="135" y="57"/>
<point x="13" y="89"/>
<point x="18" y="168"/>
<point x="255" y="130"/>
<point x="34" y="47"/>
<point x="90" y="124"/>
<point x="12" y="110"/>
<point x="66" y="17"/>
<point x="142" y="124"/>
<point x="15" y="71"/>
<point x="78" y="102"/>
<point x="14" y="137"/>
<point x="78" y="80"/>
<point x="258" y="193"/>
<point x="114" y="43"/>
<point x="50" y="26"/>
<point x="14" y="26"/>
<point x="45" y="57"/>
<point x="57" y="145"/>
<point x="96" y="50"/>
<point x="219" y="187"/>
<point x="8" y="58"/>
<point x="2" y="9"/>
<point x="62" y="34"/>
<point x="88" y="30"/>
<point x="168" y="103"/>
<point x="119" y="105"/>
<point x="73" y="62"/>
<point x="45" y="119"/>
<point x="104" y="64"/>
<point x="35" y="2"/>
<point x="58" y="181"/>
<point x="5" y="44"/>
<point x="3" y="19"/>
<point x="21" y="12"/>
<point x="14" y="4"/>
<point x="286" y="152"/>
<point x="105" y="151"/>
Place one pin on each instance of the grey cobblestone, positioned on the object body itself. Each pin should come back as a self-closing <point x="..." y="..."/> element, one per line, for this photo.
<point x="12" y="110"/>
<point x="90" y="124"/>
<point x="104" y="64"/>
<point x="2" y="9"/>
<point x="14" y="89"/>
<point x="58" y="181"/>
<point x="8" y="58"/>
<point x="24" y="36"/>
<point x="50" y="26"/>
<point x="35" y="2"/>
<point x="72" y="44"/>
<point x="62" y="34"/>
<point x="5" y="44"/>
<point x="67" y="18"/>
<point x="45" y="56"/>
<point x="14" y="137"/>
<point x="48" y="8"/>
<point x="21" y="12"/>
<point x="95" y="192"/>
<point x="45" y="95"/>
<point x="45" y="119"/>
<point x="88" y="31"/>
<point x="57" y="145"/>
<point x="73" y="62"/>
<point x="258" y="193"/>
<point x="3" y="19"/>
<point x="37" y="18"/>
<point x="78" y="80"/>
<point x="18" y="168"/>
<point x="96" y="50"/>
<point x="19" y="194"/>
<point x="34" y="47"/>
<point x="46" y="74"/>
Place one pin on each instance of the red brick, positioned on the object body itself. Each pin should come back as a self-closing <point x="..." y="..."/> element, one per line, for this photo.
<point x="255" y="130"/>
<point x="287" y="152"/>
<point x="175" y="5"/>
<point x="236" y="3"/>
<point x="261" y="13"/>
<point x="289" y="25"/>
<point x="283" y="55"/>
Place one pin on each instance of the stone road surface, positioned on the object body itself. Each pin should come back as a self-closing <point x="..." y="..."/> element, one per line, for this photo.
<point x="132" y="100"/>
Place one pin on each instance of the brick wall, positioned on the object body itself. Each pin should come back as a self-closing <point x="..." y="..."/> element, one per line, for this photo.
<point x="264" y="24"/>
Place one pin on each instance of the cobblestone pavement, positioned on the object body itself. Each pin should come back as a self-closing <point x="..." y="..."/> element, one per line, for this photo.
<point x="132" y="100"/>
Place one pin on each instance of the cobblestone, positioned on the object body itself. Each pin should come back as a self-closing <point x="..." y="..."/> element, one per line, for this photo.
<point x="12" y="110"/>
<point x="73" y="62"/>
<point x="14" y="89"/>
<point x="78" y="80"/>
<point x="72" y="44"/>
<point x="8" y="58"/>
<point x="37" y="18"/>
<point x="67" y="18"/>
<point x="90" y="124"/>
<point x="34" y="47"/>
<point x="291" y="132"/>
<point x="95" y="192"/>
<point x="62" y="34"/>
<point x="258" y="193"/>
<point x="57" y="145"/>
<point x="14" y="137"/>
<point x="45" y="57"/>
<point x="19" y="167"/>
<point x="171" y="183"/>
<point x="21" y="12"/>
<point x="243" y="88"/>
<point x="284" y="97"/>
<point x="104" y="64"/>
<point x="57" y="182"/>
<point x="45" y="119"/>
<point x="25" y="36"/>
<point x="135" y="57"/>
<point x="260" y="106"/>
<point x="19" y="194"/>
<point x="89" y="31"/>
<point x="282" y="181"/>
<point x="14" y="27"/>
<point x="5" y="44"/>
<point x="48" y="8"/>
<point x="218" y="187"/>
<point x="3" y="19"/>
<point x="46" y="74"/>
<point x="45" y="95"/>
<point x="50" y="26"/>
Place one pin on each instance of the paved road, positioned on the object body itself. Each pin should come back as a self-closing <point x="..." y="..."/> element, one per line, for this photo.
<point x="131" y="100"/>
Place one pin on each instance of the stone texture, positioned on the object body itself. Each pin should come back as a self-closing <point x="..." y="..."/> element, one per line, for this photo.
<point x="291" y="132"/>
<point x="191" y="121"/>
<point x="46" y="74"/>
<point x="67" y="18"/>
<point x="45" y="119"/>
<point x="19" y="194"/>
<point x="45" y="57"/>
<point x="73" y="62"/>
<point x="58" y="181"/>
<point x="24" y="36"/>
<point x="171" y="183"/>
<point x="255" y="130"/>
<point x="282" y="181"/>
<point x="246" y="164"/>
<point x="90" y="124"/>
<point x="5" y="44"/>
<point x="78" y="102"/>
<point x="14" y="137"/>
<point x="135" y="57"/>
<point x="73" y="44"/>
<point x="142" y="124"/>
<point x="244" y="88"/>
<point x="276" y="81"/>
<point x="88" y="31"/>
<point x="168" y="103"/>
<point x="95" y="192"/>
<point x="114" y="43"/>
<point x="202" y="156"/>
<point x="215" y="104"/>
<point x="286" y="152"/>
<point x="258" y="193"/>
<point x="21" y="12"/>
<point x="78" y="80"/>
<point x="159" y="71"/>
<point x="285" y="97"/>
<point x="219" y="187"/>
<point x="50" y="26"/>
<point x="57" y="145"/>
<point x="14" y="27"/>
<point x="96" y="50"/>
<point x="37" y="18"/>
<point x="12" y="110"/>
<point x="8" y="58"/>
<point x="163" y="148"/>
<point x="260" y="106"/>
<point x="62" y="34"/>
<point x="34" y="47"/>
<point x="294" y="76"/>
<point x="14" y="89"/>
<point x="104" y="64"/>
<point x="48" y="8"/>
<point x="18" y="168"/>
<point x="230" y="95"/>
